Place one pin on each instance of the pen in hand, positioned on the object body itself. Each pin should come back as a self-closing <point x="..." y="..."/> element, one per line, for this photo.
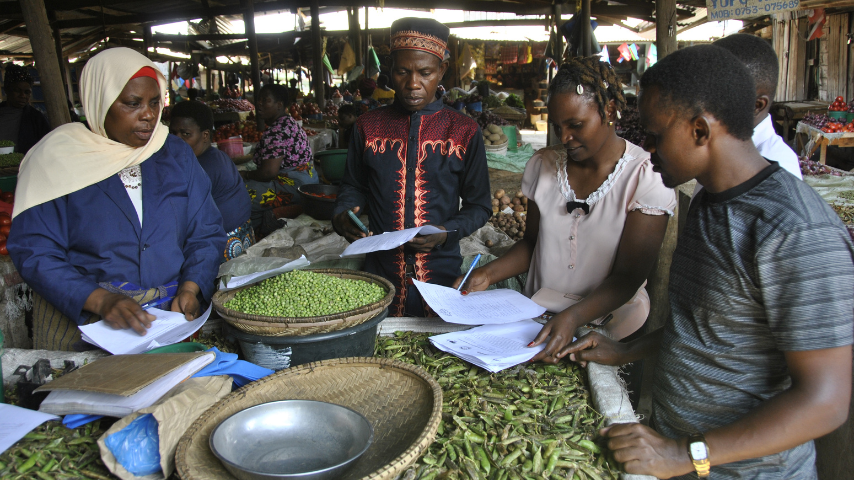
<point x="471" y="267"/>
<point x="358" y="222"/>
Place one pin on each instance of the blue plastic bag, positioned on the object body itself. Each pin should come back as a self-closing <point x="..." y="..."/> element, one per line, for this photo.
<point x="137" y="446"/>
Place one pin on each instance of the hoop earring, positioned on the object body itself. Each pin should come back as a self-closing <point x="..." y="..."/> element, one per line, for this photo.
<point x="618" y="115"/>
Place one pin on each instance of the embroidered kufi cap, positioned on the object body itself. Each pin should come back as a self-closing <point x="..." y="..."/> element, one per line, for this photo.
<point x="423" y="34"/>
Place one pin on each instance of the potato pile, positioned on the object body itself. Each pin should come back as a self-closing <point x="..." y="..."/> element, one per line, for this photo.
<point x="513" y="224"/>
<point x="493" y="135"/>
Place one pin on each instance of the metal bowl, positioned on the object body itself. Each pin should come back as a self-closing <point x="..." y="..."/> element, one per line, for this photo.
<point x="291" y="439"/>
<point x="317" y="207"/>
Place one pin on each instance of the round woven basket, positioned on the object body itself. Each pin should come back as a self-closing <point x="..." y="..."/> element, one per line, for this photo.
<point x="500" y="149"/>
<point x="402" y="402"/>
<point x="290" y="326"/>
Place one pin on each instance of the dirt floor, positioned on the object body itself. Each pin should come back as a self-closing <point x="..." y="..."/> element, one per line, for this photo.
<point x="501" y="179"/>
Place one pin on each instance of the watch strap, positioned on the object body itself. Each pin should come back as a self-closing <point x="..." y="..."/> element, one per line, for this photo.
<point x="701" y="465"/>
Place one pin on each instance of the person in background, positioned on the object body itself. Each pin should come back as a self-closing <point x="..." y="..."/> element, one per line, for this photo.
<point x="20" y="122"/>
<point x="114" y="217"/>
<point x="193" y="123"/>
<point x="410" y="164"/>
<point x="383" y="93"/>
<point x="192" y="93"/>
<point x="283" y="158"/>
<point x="758" y="56"/>
<point x="755" y="360"/>
<point x="597" y="213"/>
<point x="347" y="116"/>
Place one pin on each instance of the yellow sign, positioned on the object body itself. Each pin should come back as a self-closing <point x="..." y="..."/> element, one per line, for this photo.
<point x="720" y="10"/>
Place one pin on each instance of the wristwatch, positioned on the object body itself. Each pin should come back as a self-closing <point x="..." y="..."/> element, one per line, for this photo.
<point x="698" y="451"/>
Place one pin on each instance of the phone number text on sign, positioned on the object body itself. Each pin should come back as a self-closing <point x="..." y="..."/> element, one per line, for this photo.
<point x="719" y="10"/>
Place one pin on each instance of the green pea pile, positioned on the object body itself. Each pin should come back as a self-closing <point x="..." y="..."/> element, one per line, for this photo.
<point x="11" y="159"/>
<point x="305" y="294"/>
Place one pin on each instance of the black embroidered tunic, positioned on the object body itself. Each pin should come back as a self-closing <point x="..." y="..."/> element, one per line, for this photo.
<point x="410" y="169"/>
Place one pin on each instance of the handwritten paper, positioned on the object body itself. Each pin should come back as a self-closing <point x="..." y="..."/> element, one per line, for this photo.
<point x="388" y="240"/>
<point x="15" y="422"/>
<point x="478" y="308"/>
<point x="242" y="280"/>
<point x="492" y="347"/>
<point x="166" y="329"/>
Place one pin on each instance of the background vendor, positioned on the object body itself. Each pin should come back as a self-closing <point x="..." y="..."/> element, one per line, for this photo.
<point x="410" y="164"/>
<point x="283" y="158"/>
<point x="110" y="218"/>
<point x="20" y="122"/>
<point x="597" y="213"/>
<point x="193" y="122"/>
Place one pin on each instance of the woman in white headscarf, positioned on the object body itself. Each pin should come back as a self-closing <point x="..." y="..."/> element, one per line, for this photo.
<point x="114" y="217"/>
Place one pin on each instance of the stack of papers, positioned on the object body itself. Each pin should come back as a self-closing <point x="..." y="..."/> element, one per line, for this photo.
<point x="15" y="422"/>
<point x="478" y="308"/>
<point x="120" y="385"/>
<point x="388" y="240"/>
<point x="492" y="347"/>
<point x="168" y="328"/>
<point x="241" y="280"/>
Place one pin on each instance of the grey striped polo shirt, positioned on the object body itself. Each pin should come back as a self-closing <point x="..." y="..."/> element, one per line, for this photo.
<point x="760" y="269"/>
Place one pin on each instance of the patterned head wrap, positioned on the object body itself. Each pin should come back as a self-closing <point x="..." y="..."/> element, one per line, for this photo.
<point x="422" y="34"/>
<point x="15" y="74"/>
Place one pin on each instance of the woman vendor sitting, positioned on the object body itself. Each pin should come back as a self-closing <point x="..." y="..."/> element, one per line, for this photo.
<point x="597" y="213"/>
<point x="283" y="158"/>
<point x="193" y="122"/>
<point x="108" y="219"/>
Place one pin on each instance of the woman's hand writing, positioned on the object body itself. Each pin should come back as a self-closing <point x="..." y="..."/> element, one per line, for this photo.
<point x="344" y="226"/>
<point x="119" y="311"/>
<point x="477" y="281"/>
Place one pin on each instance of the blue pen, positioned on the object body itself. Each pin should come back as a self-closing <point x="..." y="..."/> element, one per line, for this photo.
<point x="471" y="267"/>
<point x="155" y="303"/>
<point x="358" y="222"/>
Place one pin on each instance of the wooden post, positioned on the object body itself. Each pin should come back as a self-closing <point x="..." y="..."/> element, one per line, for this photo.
<point x="317" y="55"/>
<point x="62" y="65"/>
<point x="558" y="36"/>
<point x="586" y="32"/>
<point x="44" y="50"/>
<point x="146" y="40"/>
<point x="355" y="33"/>
<point x="665" y="27"/>
<point x="249" y="21"/>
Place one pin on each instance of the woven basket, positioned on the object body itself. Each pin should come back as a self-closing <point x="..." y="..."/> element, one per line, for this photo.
<point x="290" y="326"/>
<point x="500" y="149"/>
<point x="402" y="402"/>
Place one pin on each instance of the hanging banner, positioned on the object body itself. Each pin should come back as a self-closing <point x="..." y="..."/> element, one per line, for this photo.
<point x="720" y="10"/>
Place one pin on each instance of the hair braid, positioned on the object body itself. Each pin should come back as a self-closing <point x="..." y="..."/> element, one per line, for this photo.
<point x="599" y="80"/>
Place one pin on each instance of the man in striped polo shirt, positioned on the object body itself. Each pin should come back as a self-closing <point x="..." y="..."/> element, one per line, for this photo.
<point x="755" y="361"/>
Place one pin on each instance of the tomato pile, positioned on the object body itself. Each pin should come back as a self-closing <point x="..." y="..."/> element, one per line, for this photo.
<point x="838" y="105"/>
<point x="247" y="129"/>
<point x="5" y="220"/>
<point x="331" y="109"/>
<point x="231" y="105"/>
<point x="299" y="111"/>
<point x="309" y="132"/>
<point x="837" y="127"/>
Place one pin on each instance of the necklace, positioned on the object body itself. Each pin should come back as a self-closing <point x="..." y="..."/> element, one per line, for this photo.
<point x="131" y="177"/>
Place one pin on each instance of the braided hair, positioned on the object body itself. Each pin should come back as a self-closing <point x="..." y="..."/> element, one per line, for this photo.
<point x="15" y="74"/>
<point x="598" y="79"/>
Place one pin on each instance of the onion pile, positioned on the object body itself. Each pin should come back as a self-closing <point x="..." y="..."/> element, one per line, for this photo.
<point x="816" y="120"/>
<point x="808" y="167"/>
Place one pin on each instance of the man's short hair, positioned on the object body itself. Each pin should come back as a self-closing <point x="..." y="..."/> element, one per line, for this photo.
<point x="757" y="55"/>
<point x="197" y="111"/>
<point x="348" y="109"/>
<point x="706" y="78"/>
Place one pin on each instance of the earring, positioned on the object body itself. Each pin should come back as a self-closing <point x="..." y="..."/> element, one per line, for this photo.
<point x="610" y="124"/>
<point x="618" y="115"/>
<point x="579" y="89"/>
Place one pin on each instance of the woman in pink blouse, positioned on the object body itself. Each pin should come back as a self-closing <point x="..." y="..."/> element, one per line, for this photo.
<point x="596" y="218"/>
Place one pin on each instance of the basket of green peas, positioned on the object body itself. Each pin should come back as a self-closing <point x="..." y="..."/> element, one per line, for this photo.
<point x="305" y="302"/>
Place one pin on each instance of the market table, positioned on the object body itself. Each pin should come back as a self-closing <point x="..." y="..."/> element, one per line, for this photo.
<point x="818" y="139"/>
<point x="793" y="111"/>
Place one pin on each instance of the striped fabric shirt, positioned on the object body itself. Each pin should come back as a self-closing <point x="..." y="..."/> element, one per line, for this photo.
<point x="761" y="269"/>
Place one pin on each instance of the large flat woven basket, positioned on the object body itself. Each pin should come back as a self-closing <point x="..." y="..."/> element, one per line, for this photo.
<point x="402" y="402"/>
<point x="294" y="326"/>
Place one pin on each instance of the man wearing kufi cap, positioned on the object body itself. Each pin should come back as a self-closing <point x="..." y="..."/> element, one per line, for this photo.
<point x="409" y="164"/>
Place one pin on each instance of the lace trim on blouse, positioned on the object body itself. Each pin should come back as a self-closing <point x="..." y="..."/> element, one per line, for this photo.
<point x="650" y="209"/>
<point x="131" y="177"/>
<point x="566" y="189"/>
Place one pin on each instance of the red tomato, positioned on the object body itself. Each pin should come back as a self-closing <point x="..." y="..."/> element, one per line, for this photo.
<point x="7" y="197"/>
<point x="4" y="230"/>
<point x="3" y="249"/>
<point x="5" y="220"/>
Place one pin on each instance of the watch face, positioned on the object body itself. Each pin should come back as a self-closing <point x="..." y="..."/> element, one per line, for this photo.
<point x="698" y="451"/>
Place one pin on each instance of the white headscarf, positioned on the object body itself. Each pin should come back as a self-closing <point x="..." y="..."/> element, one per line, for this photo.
<point x="71" y="157"/>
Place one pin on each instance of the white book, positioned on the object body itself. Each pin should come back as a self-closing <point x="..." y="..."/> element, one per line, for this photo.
<point x="66" y="402"/>
<point x="166" y="329"/>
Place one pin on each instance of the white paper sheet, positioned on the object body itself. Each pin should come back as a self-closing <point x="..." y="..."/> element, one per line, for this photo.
<point x="168" y="328"/>
<point x="388" y="240"/>
<point x="478" y="308"/>
<point x="242" y="280"/>
<point x="493" y="347"/>
<point x="66" y="402"/>
<point x="15" y="422"/>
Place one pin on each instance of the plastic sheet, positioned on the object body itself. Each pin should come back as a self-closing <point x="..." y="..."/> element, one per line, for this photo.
<point x="137" y="446"/>
<point x="513" y="161"/>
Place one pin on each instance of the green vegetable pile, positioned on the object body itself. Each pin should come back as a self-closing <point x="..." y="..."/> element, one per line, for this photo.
<point x="513" y="100"/>
<point x="11" y="159"/>
<point x="6" y="143"/>
<point x="305" y="294"/>
<point x="528" y="422"/>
